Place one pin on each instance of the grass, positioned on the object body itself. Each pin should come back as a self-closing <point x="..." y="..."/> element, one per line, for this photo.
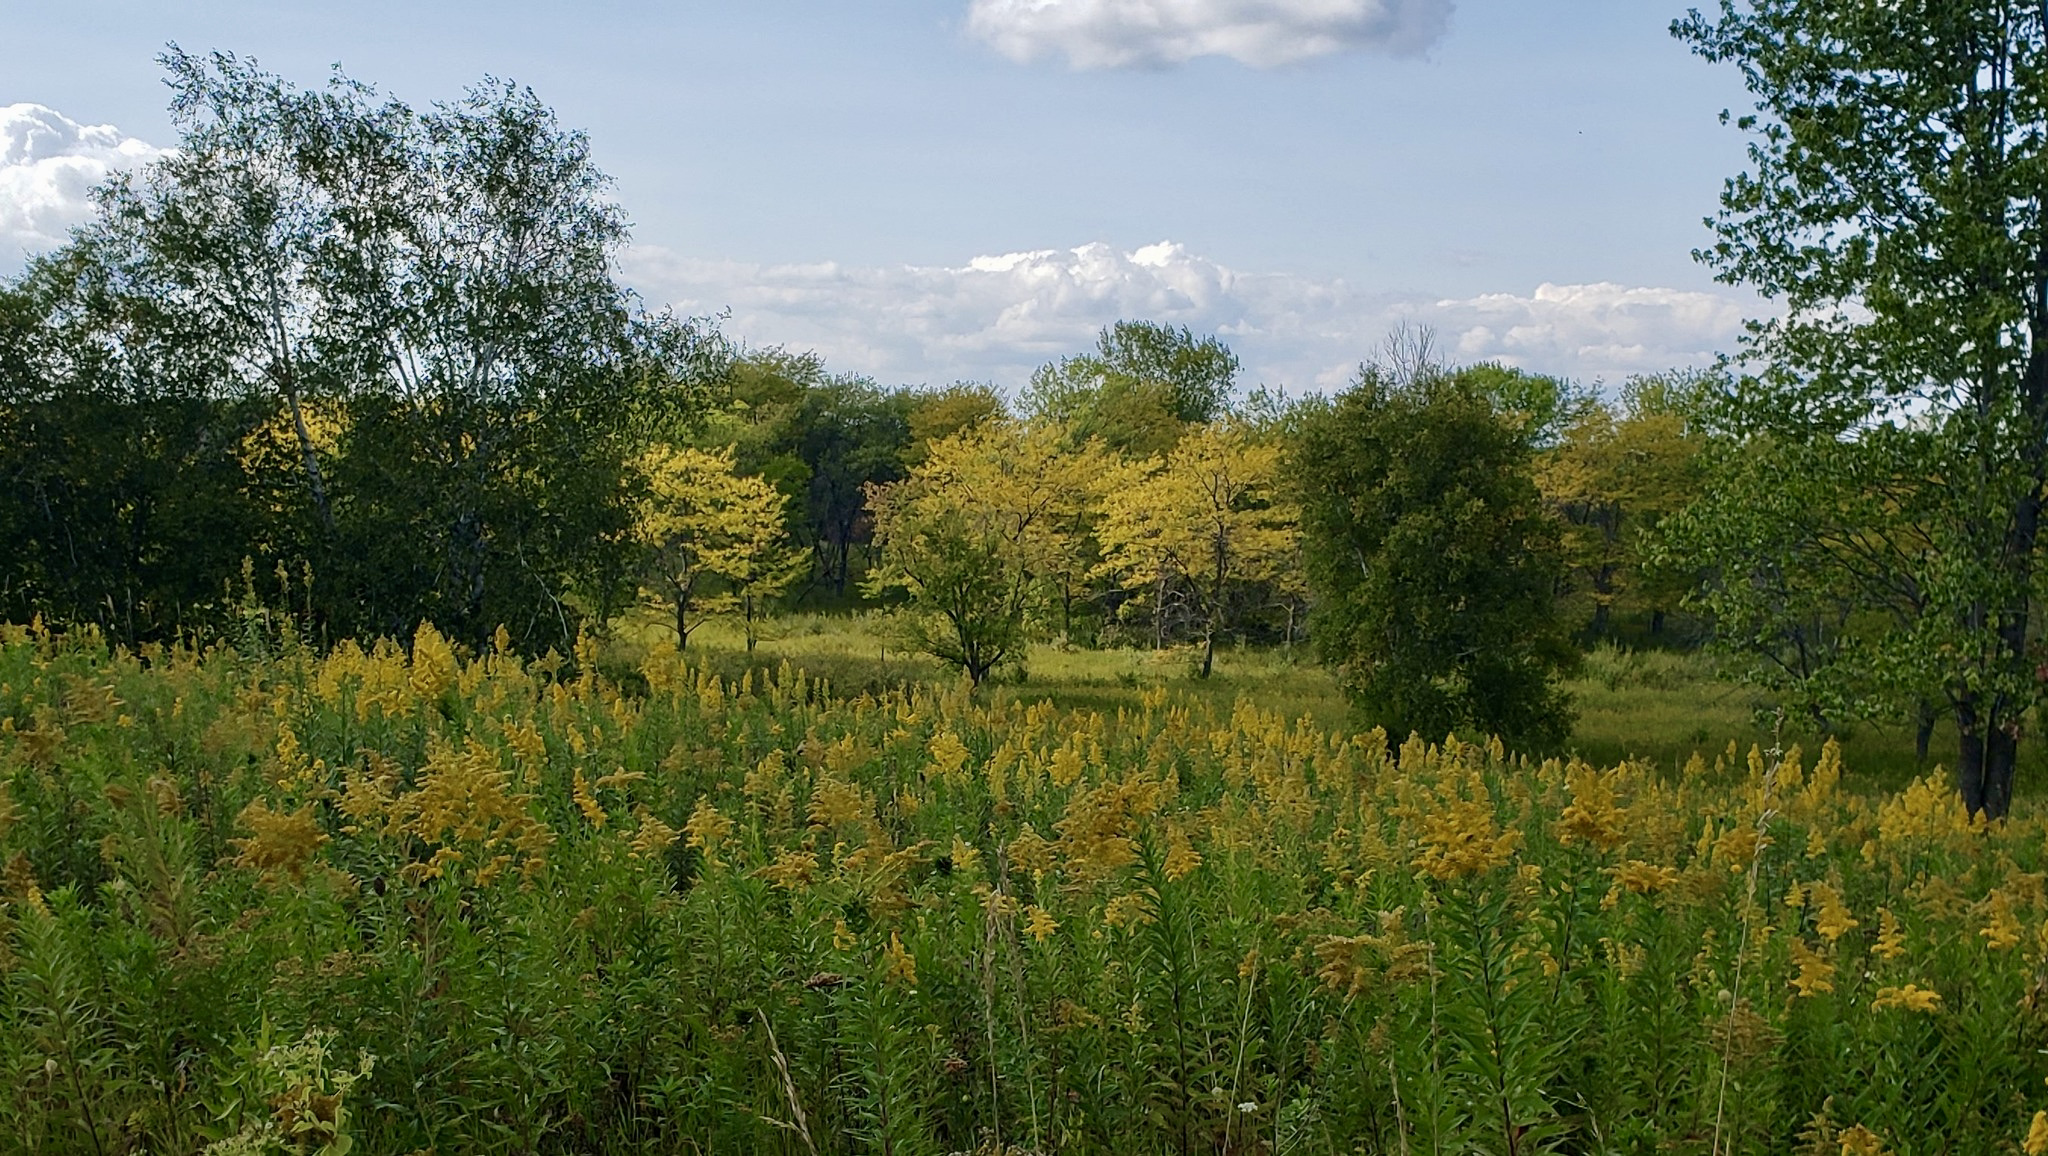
<point x="1648" y="705"/>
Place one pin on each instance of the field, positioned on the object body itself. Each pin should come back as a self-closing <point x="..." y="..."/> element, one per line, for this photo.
<point x="265" y="900"/>
<point x="1659" y="706"/>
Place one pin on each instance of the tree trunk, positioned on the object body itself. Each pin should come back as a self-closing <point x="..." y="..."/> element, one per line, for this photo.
<point x="1970" y="754"/>
<point x="1208" y="651"/>
<point x="682" y="629"/>
<point x="1923" y="731"/>
<point x="2001" y="752"/>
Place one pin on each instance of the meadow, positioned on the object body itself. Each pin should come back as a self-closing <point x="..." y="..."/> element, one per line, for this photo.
<point x="1651" y="704"/>
<point x="264" y="900"/>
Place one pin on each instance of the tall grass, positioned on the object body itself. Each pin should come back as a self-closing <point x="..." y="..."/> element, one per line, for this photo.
<point x="272" y="901"/>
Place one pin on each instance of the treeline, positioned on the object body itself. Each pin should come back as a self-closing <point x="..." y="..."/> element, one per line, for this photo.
<point x="374" y="366"/>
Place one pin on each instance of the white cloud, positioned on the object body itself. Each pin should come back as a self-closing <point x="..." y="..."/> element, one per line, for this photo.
<point x="996" y="317"/>
<point x="1153" y="33"/>
<point x="48" y="166"/>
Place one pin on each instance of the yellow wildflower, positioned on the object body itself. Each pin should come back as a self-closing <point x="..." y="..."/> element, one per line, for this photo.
<point x="1816" y="974"/>
<point x="2002" y="929"/>
<point x="1644" y="878"/>
<point x="652" y="838"/>
<point x="1181" y="856"/>
<point x="792" y="870"/>
<point x="1833" y="918"/>
<point x="1861" y="1141"/>
<point x="1039" y="923"/>
<point x="898" y="965"/>
<point x="1066" y="766"/>
<point x="1592" y="817"/>
<point x="1461" y="838"/>
<point x="843" y="938"/>
<point x="1738" y="847"/>
<point x="2036" y="1143"/>
<point x="433" y="663"/>
<point x="966" y="858"/>
<point x="949" y="756"/>
<point x="1911" y="997"/>
<point x="1891" y="938"/>
<point x="1127" y="911"/>
<point x="706" y="827"/>
<point x="281" y="841"/>
<point x="587" y="802"/>
<point x="1926" y="809"/>
<point x="1030" y="851"/>
<point x="835" y="801"/>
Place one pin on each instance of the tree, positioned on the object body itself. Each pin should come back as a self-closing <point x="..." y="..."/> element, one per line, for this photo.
<point x="1615" y="474"/>
<point x="851" y="435"/>
<point x="1897" y="204"/>
<point x="1142" y="387"/>
<point x="754" y="562"/>
<point x="701" y="523"/>
<point x="441" y="285"/>
<point x="1205" y="522"/>
<point x="1432" y="560"/>
<point x="971" y="532"/>
<point x="940" y="413"/>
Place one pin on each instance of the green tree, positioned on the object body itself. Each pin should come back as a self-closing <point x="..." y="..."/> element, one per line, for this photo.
<point x="437" y="286"/>
<point x="1432" y="560"/>
<point x="940" y="413"/>
<point x="1896" y="202"/>
<point x="1139" y="390"/>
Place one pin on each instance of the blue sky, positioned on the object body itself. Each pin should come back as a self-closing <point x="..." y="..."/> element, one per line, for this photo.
<point x="935" y="189"/>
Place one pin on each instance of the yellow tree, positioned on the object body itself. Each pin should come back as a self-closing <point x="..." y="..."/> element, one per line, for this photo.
<point x="1204" y="524"/>
<point x="750" y="553"/>
<point x="701" y="523"/>
<point x="1613" y="476"/>
<point x="973" y="530"/>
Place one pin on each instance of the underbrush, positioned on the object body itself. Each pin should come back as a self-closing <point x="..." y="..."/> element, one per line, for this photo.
<point x="409" y="902"/>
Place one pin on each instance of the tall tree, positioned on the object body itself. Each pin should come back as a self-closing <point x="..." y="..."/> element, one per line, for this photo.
<point x="710" y="536"/>
<point x="1139" y="390"/>
<point x="1895" y="204"/>
<point x="1433" y="560"/>
<point x="1615" y="473"/>
<point x="438" y="286"/>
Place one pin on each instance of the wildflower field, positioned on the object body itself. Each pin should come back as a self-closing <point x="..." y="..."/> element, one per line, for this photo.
<point x="397" y="900"/>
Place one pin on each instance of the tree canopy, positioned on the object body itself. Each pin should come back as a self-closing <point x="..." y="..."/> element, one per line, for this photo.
<point x="1895" y="435"/>
<point x="1433" y="560"/>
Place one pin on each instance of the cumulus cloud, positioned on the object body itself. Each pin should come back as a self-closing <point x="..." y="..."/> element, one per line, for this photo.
<point x="1155" y="33"/>
<point x="48" y="166"/>
<point x="996" y="317"/>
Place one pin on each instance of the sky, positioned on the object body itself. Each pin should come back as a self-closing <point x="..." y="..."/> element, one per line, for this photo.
<point x="927" y="191"/>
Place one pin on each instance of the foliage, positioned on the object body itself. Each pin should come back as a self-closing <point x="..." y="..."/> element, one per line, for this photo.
<point x="1615" y="474"/>
<point x="516" y="909"/>
<point x="971" y="533"/>
<point x="1204" y="525"/>
<point x="1909" y="359"/>
<point x="397" y="331"/>
<point x="1432" y="561"/>
<point x="700" y="522"/>
<point x="1142" y="386"/>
